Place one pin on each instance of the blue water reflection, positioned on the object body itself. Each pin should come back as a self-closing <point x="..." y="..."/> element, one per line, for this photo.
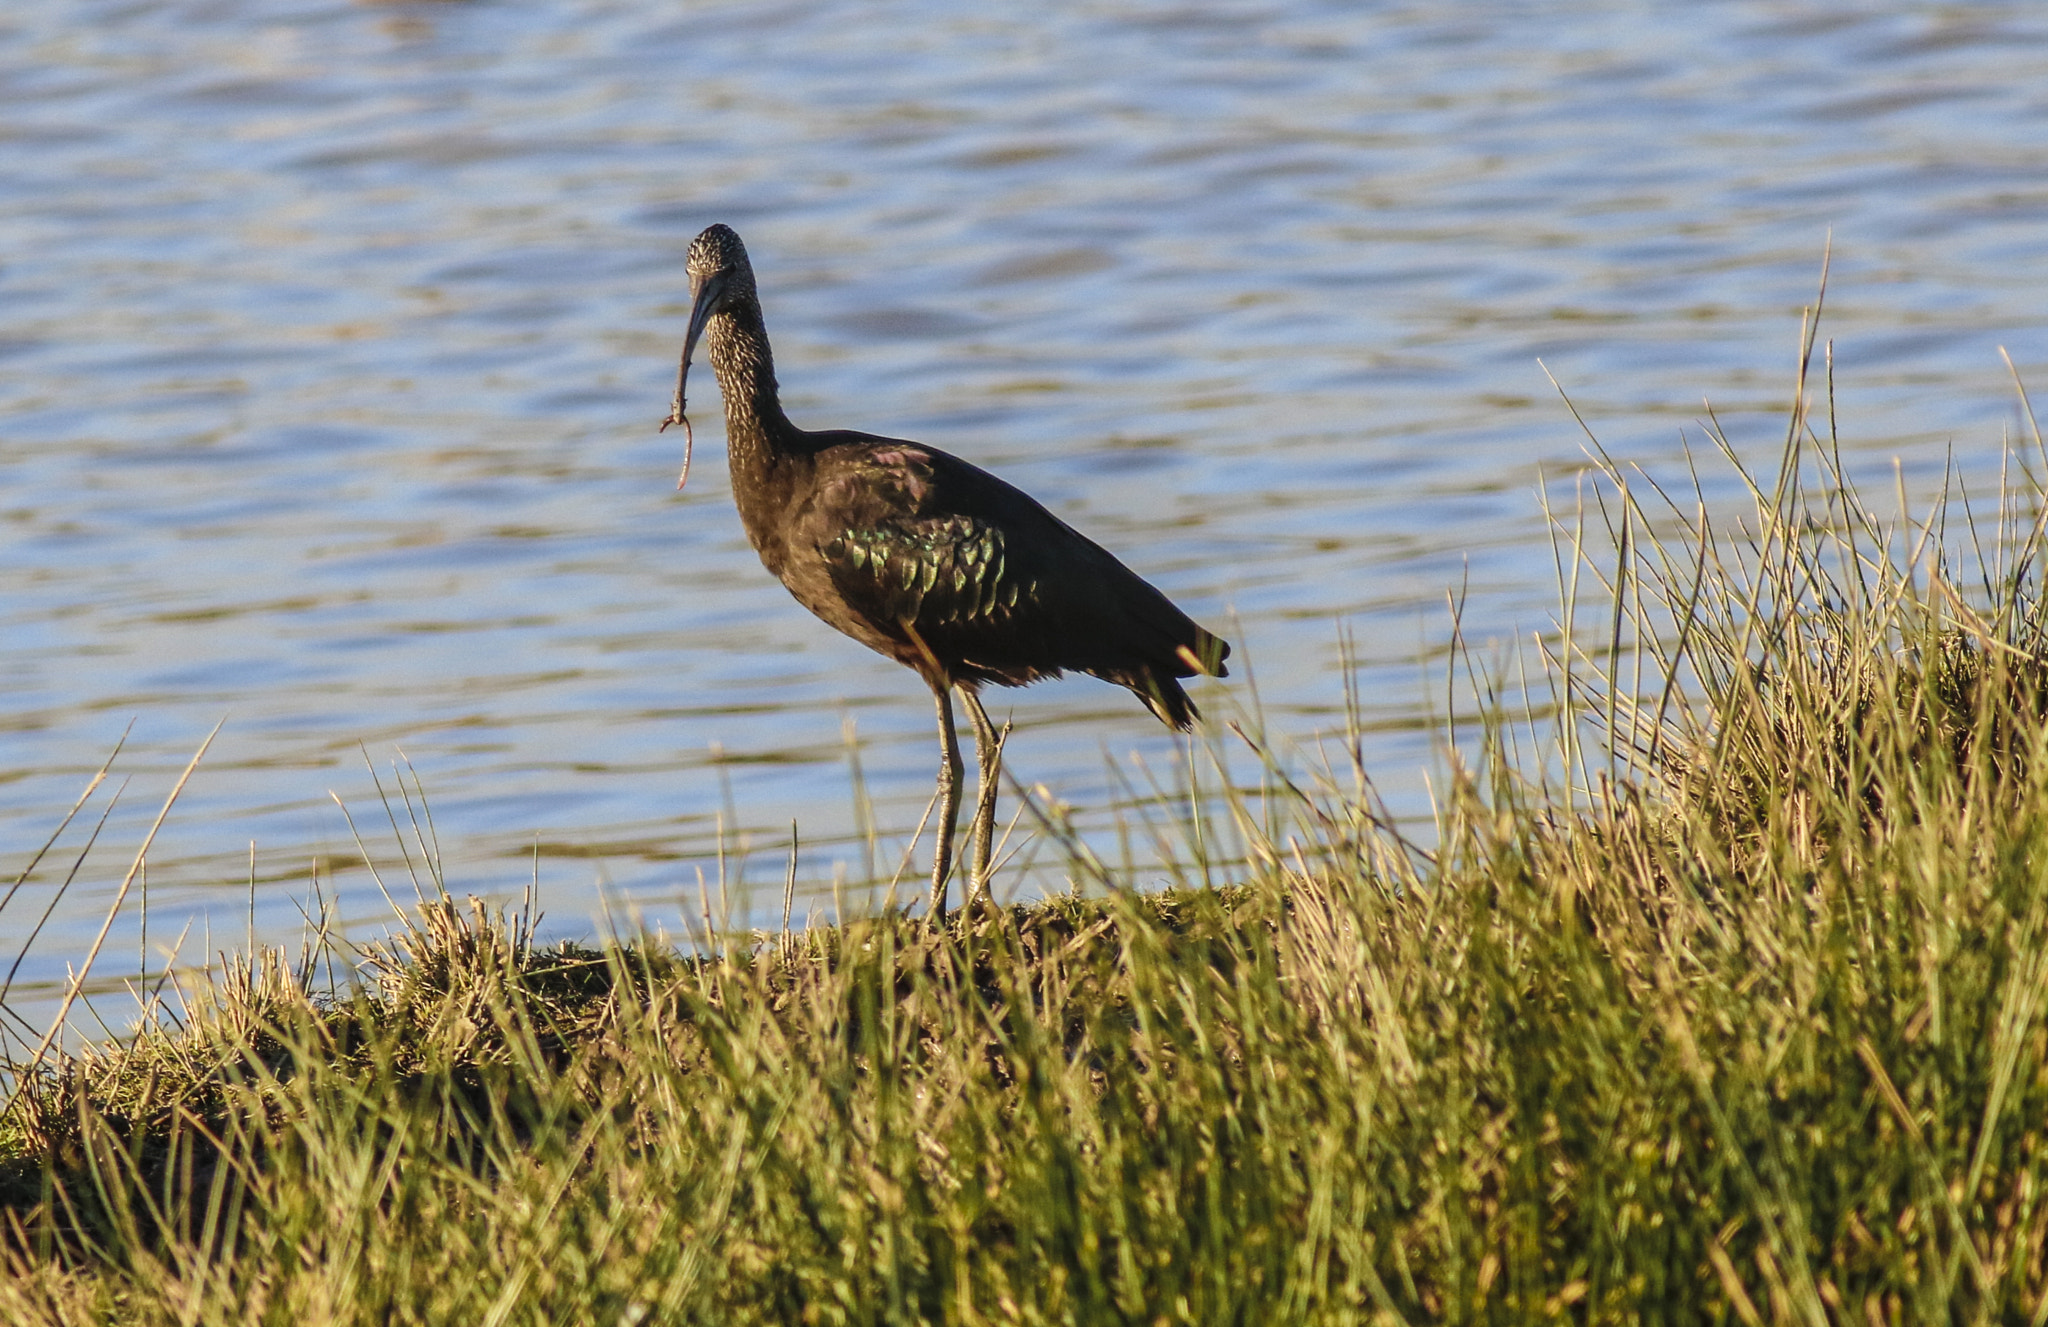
<point x="335" y="336"/>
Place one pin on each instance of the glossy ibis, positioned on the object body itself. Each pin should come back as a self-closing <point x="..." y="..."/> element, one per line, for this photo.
<point x="927" y="559"/>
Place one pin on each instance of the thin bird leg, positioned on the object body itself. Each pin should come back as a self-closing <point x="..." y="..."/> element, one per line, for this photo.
<point x="988" y="760"/>
<point x="949" y="798"/>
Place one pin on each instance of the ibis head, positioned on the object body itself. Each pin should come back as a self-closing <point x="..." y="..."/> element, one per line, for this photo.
<point x="720" y="278"/>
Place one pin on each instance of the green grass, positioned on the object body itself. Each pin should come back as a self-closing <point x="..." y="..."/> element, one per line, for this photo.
<point x="1725" y="1001"/>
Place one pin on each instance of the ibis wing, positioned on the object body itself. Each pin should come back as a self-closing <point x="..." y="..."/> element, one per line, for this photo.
<point x="991" y="583"/>
<point x="910" y="539"/>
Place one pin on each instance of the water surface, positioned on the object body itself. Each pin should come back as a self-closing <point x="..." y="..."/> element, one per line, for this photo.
<point x="333" y="337"/>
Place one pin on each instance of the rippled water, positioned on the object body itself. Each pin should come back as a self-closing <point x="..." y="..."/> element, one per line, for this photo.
<point x="333" y="337"/>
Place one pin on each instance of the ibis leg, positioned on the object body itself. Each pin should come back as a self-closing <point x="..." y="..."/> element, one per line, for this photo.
<point x="949" y="798"/>
<point x="988" y="759"/>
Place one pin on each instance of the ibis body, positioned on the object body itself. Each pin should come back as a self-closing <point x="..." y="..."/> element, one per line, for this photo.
<point x="925" y="558"/>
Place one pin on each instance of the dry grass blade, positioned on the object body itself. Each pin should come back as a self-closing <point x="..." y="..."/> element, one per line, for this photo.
<point x="25" y="1072"/>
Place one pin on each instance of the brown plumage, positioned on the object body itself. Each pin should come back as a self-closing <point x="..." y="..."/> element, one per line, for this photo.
<point x="925" y="558"/>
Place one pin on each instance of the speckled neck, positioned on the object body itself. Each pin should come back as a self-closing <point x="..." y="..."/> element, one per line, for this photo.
<point x="758" y="437"/>
<point x="745" y="366"/>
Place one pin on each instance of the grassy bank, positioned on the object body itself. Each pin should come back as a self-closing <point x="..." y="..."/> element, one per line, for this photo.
<point x="1727" y="1002"/>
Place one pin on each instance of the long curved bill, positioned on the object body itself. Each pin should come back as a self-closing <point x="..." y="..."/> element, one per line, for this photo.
<point x="702" y="293"/>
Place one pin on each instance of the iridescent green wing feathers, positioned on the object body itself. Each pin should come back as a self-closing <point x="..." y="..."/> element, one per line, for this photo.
<point x="938" y="572"/>
<point x="911" y="538"/>
<point x="955" y="568"/>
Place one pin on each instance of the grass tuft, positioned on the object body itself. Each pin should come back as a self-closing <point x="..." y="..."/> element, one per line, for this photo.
<point x="1730" y="1005"/>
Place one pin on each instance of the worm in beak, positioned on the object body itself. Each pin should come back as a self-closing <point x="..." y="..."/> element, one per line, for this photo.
<point x="704" y="292"/>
